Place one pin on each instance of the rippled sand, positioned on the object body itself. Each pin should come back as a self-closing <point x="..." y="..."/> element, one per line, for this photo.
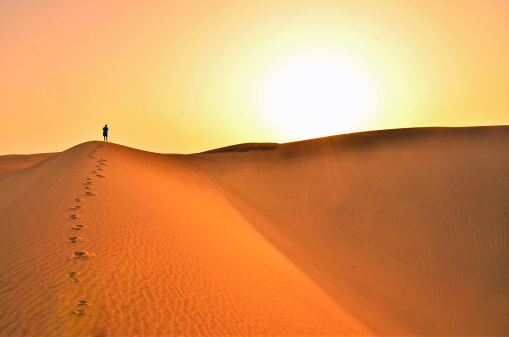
<point x="401" y="232"/>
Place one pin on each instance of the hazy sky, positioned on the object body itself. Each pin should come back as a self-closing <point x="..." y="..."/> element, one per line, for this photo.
<point x="187" y="76"/>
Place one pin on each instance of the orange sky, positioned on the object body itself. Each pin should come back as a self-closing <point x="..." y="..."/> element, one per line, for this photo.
<point x="187" y="76"/>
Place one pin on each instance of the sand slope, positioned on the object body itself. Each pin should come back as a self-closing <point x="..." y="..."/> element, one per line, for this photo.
<point x="391" y="232"/>
<point x="15" y="162"/>
<point x="407" y="229"/>
<point x="151" y="247"/>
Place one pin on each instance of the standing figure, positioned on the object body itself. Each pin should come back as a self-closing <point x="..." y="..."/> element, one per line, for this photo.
<point x="105" y="132"/>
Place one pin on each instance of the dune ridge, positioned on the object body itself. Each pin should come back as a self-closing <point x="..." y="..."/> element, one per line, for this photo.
<point x="246" y="147"/>
<point x="400" y="232"/>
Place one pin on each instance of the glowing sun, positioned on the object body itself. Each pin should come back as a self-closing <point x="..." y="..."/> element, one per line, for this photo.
<point x="315" y="96"/>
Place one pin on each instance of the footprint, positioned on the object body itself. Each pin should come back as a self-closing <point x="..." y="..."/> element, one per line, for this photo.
<point x="89" y="194"/>
<point x="77" y="200"/>
<point x="93" y="171"/>
<point x="89" y="178"/>
<point x="80" y="256"/>
<point x="100" y="169"/>
<point x="87" y="187"/>
<point x="73" y="216"/>
<point x="74" y="239"/>
<point x="73" y="275"/>
<point x="100" y="176"/>
<point x="74" y="208"/>
<point x="81" y="307"/>
<point x="78" y="227"/>
<point x="88" y="183"/>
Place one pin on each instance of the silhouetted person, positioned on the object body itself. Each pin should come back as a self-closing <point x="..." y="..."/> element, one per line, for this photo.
<point x="105" y="132"/>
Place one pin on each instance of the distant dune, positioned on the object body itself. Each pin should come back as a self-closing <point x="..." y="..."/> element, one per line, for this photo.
<point x="244" y="148"/>
<point x="394" y="232"/>
<point x="15" y="162"/>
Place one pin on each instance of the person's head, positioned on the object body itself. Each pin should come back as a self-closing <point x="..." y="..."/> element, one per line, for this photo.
<point x="105" y="124"/>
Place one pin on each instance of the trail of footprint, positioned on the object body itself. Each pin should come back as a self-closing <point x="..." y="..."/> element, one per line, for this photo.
<point x="81" y="305"/>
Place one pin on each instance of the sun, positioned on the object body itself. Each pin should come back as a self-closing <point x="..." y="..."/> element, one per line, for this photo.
<point x="317" y="95"/>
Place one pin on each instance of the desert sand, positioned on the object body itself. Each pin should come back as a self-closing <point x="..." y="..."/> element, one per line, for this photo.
<point x="395" y="232"/>
<point x="12" y="163"/>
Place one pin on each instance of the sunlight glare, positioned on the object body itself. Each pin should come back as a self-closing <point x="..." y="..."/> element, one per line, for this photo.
<point x="315" y="96"/>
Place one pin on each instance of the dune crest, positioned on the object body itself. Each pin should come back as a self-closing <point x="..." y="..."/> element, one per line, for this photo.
<point x="400" y="232"/>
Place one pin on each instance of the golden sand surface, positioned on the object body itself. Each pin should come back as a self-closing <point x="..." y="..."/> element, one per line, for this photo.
<point x="12" y="163"/>
<point x="396" y="232"/>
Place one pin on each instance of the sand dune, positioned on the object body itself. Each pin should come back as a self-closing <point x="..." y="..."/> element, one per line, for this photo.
<point x="399" y="232"/>
<point x="12" y="163"/>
